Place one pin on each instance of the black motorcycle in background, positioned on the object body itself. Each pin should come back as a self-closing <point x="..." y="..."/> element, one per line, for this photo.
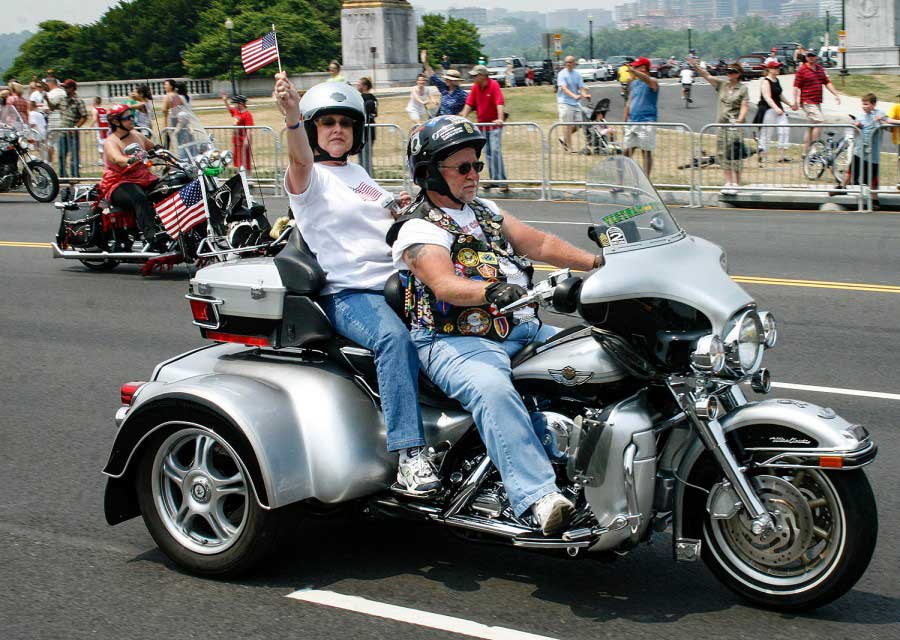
<point x="17" y="167"/>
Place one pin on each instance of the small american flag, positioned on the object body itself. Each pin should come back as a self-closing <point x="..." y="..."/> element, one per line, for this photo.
<point x="183" y="210"/>
<point x="257" y="54"/>
<point x="368" y="192"/>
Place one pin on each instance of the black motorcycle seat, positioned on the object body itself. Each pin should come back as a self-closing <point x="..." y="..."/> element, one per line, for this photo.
<point x="297" y="265"/>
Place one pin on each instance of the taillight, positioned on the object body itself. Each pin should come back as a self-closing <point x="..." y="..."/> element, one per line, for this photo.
<point x="205" y="311"/>
<point x="128" y="390"/>
<point x="252" y="341"/>
<point x="201" y="310"/>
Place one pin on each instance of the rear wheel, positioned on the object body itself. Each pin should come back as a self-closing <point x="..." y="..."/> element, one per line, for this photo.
<point x="815" y="162"/>
<point x="100" y="265"/>
<point x="841" y="165"/>
<point x="198" y="504"/>
<point x="42" y="182"/>
<point x="826" y="529"/>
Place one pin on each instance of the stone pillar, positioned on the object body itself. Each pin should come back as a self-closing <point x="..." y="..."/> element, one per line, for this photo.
<point x="390" y="27"/>
<point x="873" y="35"/>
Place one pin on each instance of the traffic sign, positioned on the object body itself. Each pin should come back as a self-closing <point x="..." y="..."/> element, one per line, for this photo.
<point x="842" y="41"/>
<point x="557" y="42"/>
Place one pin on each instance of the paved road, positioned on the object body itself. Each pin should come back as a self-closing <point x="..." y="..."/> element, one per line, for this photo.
<point x="69" y="338"/>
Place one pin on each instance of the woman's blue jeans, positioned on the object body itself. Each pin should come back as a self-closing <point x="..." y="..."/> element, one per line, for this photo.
<point x="477" y="373"/>
<point x="366" y="318"/>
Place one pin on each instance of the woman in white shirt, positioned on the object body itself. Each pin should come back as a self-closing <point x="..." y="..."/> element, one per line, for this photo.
<point x="418" y="99"/>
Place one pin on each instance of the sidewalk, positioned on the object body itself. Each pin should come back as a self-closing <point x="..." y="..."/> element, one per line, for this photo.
<point x="833" y="112"/>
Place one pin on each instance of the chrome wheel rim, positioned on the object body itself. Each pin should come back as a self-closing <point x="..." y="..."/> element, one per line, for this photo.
<point x="40" y="182"/>
<point x="200" y="491"/>
<point x="809" y="538"/>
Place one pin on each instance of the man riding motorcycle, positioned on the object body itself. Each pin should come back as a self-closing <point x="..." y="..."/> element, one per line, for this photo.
<point x="463" y="260"/>
<point x="126" y="179"/>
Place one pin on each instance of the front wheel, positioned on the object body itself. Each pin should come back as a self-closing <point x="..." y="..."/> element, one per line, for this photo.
<point x="198" y="504"/>
<point x="826" y="529"/>
<point x="815" y="161"/>
<point x="42" y="182"/>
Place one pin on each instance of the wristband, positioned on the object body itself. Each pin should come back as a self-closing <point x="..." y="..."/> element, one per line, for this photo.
<point x="292" y="126"/>
<point x="599" y="261"/>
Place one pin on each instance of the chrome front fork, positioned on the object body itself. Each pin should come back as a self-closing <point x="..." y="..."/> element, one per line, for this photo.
<point x="713" y="437"/>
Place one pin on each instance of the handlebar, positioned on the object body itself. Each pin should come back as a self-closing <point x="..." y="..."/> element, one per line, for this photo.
<point x="541" y="294"/>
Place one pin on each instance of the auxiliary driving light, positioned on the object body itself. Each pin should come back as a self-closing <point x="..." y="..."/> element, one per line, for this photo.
<point x="709" y="354"/>
<point x="745" y="343"/>
<point x="707" y="408"/>
<point x="770" y="328"/>
<point x="761" y="382"/>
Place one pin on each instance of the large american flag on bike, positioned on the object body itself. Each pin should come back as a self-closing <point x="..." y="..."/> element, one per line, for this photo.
<point x="183" y="210"/>
<point x="257" y="54"/>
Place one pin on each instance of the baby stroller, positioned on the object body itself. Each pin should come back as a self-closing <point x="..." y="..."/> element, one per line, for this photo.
<point x="598" y="134"/>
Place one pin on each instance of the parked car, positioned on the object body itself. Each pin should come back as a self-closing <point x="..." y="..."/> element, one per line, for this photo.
<point x="593" y="71"/>
<point x="497" y="69"/>
<point x="660" y="68"/>
<point x="544" y="72"/>
<point x="753" y="65"/>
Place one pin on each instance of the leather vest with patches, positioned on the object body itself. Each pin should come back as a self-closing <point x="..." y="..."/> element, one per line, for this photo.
<point x="472" y="258"/>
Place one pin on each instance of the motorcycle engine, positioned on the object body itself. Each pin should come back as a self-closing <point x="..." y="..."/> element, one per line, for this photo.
<point x="8" y="173"/>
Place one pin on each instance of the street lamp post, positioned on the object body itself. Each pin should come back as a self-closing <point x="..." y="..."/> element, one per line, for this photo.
<point x="229" y="26"/>
<point x="374" y="52"/>
<point x="690" y="48"/>
<point x="844" y="32"/>
<point x="591" y="36"/>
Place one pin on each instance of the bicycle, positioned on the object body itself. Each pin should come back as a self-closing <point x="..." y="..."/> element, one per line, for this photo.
<point x="829" y="153"/>
<point x="686" y="95"/>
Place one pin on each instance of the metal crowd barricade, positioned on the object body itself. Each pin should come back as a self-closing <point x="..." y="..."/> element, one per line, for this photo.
<point x="783" y="166"/>
<point x="672" y="155"/>
<point x="77" y="152"/>
<point x="887" y="161"/>
<point x="384" y="158"/>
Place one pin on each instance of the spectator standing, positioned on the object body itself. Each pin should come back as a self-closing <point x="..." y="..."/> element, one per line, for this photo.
<point x="370" y="103"/>
<point x="865" y="166"/>
<point x="73" y="114"/>
<point x="570" y="89"/>
<point x="894" y="114"/>
<point x="770" y="113"/>
<point x="453" y="98"/>
<point x="55" y="96"/>
<point x="486" y="99"/>
<point x="181" y="89"/>
<point x="733" y="105"/>
<point x="334" y="68"/>
<point x="240" y="138"/>
<point x="799" y="56"/>
<point x="771" y="58"/>
<point x="144" y="114"/>
<point x="529" y="77"/>
<point x="37" y="115"/>
<point x="171" y="101"/>
<point x="17" y="100"/>
<point x="641" y="108"/>
<point x="418" y="99"/>
<point x="99" y="121"/>
<point x="38" y="98"/>
<point x="808" y="83"/>
<point x="445" y="62"/>
<point x="510" y="74"/>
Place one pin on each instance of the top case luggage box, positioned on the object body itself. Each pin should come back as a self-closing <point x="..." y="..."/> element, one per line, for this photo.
<point x="249" y="288"/>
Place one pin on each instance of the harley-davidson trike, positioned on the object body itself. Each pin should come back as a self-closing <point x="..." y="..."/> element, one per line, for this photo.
<point x="639" y="407"/>
<point x="205" y="221"/>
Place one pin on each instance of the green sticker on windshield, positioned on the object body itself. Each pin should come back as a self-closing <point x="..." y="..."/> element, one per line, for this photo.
<point x="626" y="214"/>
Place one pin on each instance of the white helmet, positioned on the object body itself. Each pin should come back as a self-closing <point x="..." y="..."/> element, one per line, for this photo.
<point x="333" y="98"/>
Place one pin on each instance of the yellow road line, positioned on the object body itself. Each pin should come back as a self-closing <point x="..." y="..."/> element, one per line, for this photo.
<point x="785" y="282"/>
<point x="33" y="245"/>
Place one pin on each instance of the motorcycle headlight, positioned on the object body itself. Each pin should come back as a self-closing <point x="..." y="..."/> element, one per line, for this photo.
<point x="23" y="142"/>
<point x="770" y="328"/>
<point x="214" y="159"/>
<point x="709" y="354"/>
<point x="227" y="157"/>
<point x="203" y="162"/>
<point x="745" y="343"/>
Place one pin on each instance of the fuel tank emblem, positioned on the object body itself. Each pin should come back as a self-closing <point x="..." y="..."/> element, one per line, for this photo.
<point x="569" y="377"/>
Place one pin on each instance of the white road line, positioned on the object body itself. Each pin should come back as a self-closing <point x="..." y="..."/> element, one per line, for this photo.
<point x="411" y="616"/>
<point x="836" y="390"/>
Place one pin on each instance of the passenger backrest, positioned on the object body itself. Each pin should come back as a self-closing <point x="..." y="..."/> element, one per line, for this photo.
<point x="297" y="265"/>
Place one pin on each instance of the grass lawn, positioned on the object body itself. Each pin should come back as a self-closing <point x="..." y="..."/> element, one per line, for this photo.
<point x="886" y="87"/>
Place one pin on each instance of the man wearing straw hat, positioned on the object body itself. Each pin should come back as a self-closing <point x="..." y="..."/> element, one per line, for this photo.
<point x="453" y="98"/>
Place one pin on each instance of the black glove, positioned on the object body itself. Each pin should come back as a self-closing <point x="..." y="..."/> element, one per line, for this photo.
<point x="502" y="294"/>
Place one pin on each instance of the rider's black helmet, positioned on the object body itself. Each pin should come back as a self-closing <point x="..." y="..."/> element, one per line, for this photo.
<point x="435" y="140"/>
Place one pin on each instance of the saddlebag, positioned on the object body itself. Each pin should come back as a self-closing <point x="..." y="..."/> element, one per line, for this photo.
<point x="80" y="229"/>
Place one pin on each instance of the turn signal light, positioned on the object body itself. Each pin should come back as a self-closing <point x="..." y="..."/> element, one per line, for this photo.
<point x="252" y="341"/>
<point x="128" y="390"/>
<point x="831" y="462"/>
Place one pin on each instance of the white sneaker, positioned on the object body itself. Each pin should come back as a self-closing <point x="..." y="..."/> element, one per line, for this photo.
<point x="415" y="473"/>
<point x="552" y="512"/>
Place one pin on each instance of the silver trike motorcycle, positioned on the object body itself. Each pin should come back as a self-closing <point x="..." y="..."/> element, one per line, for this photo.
<point x="639" y="408"/>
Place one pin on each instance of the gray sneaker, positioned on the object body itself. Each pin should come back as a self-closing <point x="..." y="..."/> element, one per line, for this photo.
<point x="552" y="512"/>
<point x="416" y="474"/>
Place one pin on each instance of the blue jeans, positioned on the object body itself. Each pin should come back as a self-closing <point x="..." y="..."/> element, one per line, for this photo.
<point x="69" y="146"/>
<point x="496" y="170"/>
<point x="477" y="373"/>
<point x="366" y="318"/>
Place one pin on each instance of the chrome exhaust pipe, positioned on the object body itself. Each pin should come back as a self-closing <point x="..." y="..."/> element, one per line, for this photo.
<point x="134" y="256"/>
<point x="503" y="529"/>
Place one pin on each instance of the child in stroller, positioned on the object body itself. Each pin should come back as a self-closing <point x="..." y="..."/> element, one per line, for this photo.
<point x="600" y="135"/>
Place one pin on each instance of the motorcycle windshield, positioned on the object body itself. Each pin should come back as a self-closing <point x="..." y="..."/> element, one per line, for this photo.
<point x="188" y="137"/>
<point x="625" y="209"/>
<point x="11" y="120"/>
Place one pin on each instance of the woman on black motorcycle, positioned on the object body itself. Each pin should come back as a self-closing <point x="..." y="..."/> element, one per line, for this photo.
<point x="125" y="179"/>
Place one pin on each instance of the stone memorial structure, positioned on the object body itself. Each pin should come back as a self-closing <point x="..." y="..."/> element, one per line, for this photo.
<point x="873" y="36"/>
<point x="378" y="38"/>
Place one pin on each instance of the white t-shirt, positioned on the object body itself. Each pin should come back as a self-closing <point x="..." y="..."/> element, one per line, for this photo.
<point x="687" y="76"/>
<point x="37" y="97"/>
<point x="423" y="232"/>
<point x="54" y="99"/>
<point x="344" y="222"/>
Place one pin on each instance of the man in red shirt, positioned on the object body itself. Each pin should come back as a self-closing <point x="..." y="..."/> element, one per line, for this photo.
<point x="241" y="137"/>
<point x="808" y="83"/>
<point x="487" y="101"/>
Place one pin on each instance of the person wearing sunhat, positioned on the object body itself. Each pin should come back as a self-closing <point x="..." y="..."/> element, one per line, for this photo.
<point x="240" y="139"/>
<point x="453" y="97"/>
<point x="641" y="109"/>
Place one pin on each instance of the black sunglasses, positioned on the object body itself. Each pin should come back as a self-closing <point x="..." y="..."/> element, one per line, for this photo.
<point x="124" y="118"/>
<point x="330" y="121"/>
<point x="465" y="167"/>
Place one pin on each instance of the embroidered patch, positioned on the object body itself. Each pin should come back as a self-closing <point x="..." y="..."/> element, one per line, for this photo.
<point x="487" y="257"/>
<point x="501" y="326"/>
<point x="487" y="271"/>
<point x="468" y="257"/>
<point x="448" y="328"/>
<point x="474" y="322"/>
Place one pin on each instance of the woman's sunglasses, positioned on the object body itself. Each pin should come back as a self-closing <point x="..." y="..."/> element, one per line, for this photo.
<point x="465" y="167"/>
<point x="330" y="121"/>
<point x="124" y="118"/>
